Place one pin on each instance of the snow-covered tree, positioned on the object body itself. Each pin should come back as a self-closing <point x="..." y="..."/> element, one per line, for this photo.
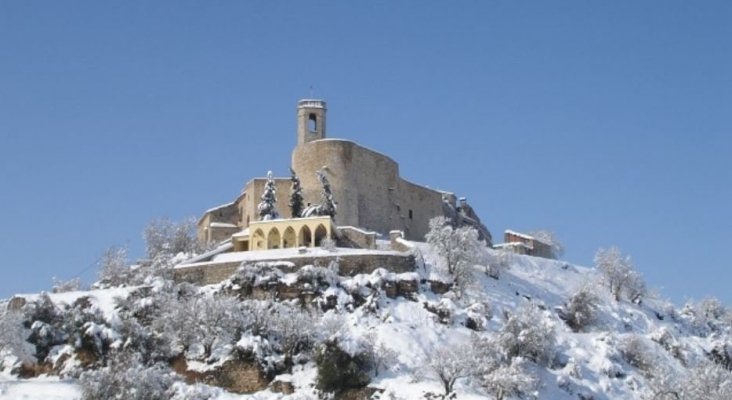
<point x="328" y="204"/>
<point x="164" y="237"/>
<point x="451" y="361"/>
<point x="528" y="333"/>
<point x="708" y="381"/>
<point x="549" y="238"/>
<point x="296" y="200"/>
<point x="619" y="274"/>
<point x="114" y="269"/>
<point x="266" y="208"/>
<point x="508" y="379"/>
<point x="459" y="249"/>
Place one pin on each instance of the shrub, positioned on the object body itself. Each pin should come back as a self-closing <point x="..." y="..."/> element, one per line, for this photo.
<point x="580" y="311"/>
<point x="125" y="378"/>
<point x="338" y="370"/>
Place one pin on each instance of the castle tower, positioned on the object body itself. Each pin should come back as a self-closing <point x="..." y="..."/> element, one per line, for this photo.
<point x="310" y="120"/>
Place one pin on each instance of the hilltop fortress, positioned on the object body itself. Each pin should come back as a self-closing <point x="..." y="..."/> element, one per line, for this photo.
<point x="370" y="195"/>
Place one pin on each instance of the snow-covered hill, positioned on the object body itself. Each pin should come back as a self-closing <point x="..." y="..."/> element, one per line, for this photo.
<point x="506" y="335"/>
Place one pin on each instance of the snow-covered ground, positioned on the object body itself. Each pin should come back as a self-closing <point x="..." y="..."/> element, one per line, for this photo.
<point x="588" y="363"/>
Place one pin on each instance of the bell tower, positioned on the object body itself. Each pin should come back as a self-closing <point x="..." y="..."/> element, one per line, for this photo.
<point x="310" y="120"/>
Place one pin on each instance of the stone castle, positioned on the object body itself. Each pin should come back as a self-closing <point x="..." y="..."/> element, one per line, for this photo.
<point x="371" y="196"/>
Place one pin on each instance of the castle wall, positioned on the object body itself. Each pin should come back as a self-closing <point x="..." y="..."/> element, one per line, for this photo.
<point x="208" y="273"/>
<point x="367" y="187"/>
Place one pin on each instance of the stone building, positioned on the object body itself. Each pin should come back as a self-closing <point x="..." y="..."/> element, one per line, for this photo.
<point x="521" y="243"/>
<point x="370" y="193"/>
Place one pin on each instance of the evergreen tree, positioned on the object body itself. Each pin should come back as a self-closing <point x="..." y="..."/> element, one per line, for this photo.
<point x="328" y="206"/>
<point x="296" y="200"/>
<point x="266" y="207"/>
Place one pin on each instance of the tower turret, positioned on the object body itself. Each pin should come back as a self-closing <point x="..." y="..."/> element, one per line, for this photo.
<point x="310" y="120"/>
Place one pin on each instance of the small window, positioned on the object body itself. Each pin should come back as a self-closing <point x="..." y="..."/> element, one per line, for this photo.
<point x="313" y="123"/>
<point x="411" y="215"/>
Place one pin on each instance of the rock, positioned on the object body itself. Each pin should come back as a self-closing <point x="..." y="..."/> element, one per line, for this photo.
<point x="283" y="387"/>
<point x="16" y="303"/>
<point x="236" y="376"/>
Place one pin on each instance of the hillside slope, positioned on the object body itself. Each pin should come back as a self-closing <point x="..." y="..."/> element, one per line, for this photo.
<point x="504" y="336"/>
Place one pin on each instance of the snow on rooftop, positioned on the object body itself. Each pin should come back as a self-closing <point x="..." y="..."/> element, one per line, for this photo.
<point x="217" y="208"/>
<point x="222" y="225"/>
<point x="519" y="234"/>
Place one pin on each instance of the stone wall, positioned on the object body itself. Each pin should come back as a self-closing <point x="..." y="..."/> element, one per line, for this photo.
<point x="208" y="273"/>
<point x="357" y="237"/>
<point x="367" y="187"/>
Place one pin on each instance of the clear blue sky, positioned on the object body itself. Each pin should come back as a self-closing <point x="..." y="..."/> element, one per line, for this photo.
<point x="607" y="122"/>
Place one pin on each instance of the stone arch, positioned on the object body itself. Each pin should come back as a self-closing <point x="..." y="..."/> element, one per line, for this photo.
<point x="320" y="233"/>
<point x="273" y="239"/>
<point x="289" y="238"/>
<point x="258" y="241"/>
<point x="305" y="238"/>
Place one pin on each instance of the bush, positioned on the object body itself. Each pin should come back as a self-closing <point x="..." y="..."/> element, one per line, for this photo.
<point x="528" y="334"/>
<point x="637" y="352"/>
<point x="580" y="311"/>
<point x="338" y="370"/>
<point x="125" y="378"/>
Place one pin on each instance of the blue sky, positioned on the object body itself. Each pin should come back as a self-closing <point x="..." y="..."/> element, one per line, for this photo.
<point x="609" y="123"/>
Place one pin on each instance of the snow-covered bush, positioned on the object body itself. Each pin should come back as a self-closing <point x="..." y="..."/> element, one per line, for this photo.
<point x="292" y="328"/>
<point x="44" y="319"/>
<point x="328" y="244"/>
<point x="338" y="369"/>
<point x="181" y="391"/>
<point x="125" y="378"/>
<point x="708" y="381"/>
<point x="204" y="321"/>
<point x="637" y="351"/>
<point x="13" y="337"/>
<point x="71" y="285"/>
<point x="508" y="379"/>
<point x="530" y="334"/>
<point x="619" y="274"/>
<point x="459" y="249"/>
<point x="706" y="315"/>
<point x="580" y="311"/>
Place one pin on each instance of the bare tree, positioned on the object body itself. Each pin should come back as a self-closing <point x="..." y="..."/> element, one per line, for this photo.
<point x="549" y="238"/>
<point x="450" y="362"/>
<point x="459" y="249"/>
<point x="708" y="381"/>
<point x="619" y="274"/>
<point x="114" y="269"/>
<point x="167" y="238"/>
